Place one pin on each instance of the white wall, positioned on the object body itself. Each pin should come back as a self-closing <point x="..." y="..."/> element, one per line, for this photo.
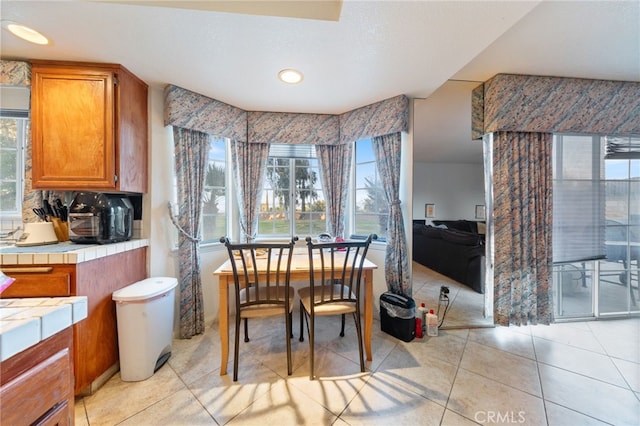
<point x="157" y="224"/>
<point x="158" y="227"/>
<point x="455" y="189"/>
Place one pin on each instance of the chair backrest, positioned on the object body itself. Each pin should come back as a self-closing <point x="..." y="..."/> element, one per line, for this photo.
<point x="264" y="269"/>
<point x="339" y="265"/>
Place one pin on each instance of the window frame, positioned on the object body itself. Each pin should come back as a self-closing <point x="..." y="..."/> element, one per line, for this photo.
<point x="353" y="204"/>
<point x="22" y="132"/>
<point x="295" y="153"/>
<point x="226" y="188"/>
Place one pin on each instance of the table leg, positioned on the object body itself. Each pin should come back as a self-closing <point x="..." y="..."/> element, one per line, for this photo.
<point x="368" y="311"/>
<point x="223" y="322"/>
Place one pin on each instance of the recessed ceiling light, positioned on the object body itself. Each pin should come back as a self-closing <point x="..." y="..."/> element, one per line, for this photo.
<point x="290" y="76"/>
<point x="25" y="33"/>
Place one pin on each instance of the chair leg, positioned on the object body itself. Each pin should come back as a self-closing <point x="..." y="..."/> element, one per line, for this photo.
<point x="246" y="330"/>
<point x="301" y="322"/>
<point x="291" y="323"/>
<point x="236" y="348"/>
<point x="356" y="317"/>
<point x="311" y="346"/>
<point x="342" y="329"/>
<point x="289" y="331"/>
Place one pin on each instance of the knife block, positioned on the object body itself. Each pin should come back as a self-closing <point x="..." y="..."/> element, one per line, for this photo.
<point x="61" y="229"/>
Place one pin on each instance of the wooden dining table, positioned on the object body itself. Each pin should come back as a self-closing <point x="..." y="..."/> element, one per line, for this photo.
<point x="300" y="271"/>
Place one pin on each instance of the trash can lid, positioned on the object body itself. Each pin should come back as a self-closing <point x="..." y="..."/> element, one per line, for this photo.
<point x="145" y="289"/>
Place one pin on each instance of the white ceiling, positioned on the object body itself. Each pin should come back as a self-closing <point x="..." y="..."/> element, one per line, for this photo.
<point x="433" y="51"/>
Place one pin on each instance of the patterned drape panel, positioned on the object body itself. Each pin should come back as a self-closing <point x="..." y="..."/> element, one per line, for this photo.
<point x="335" y="168"/>
<point x="522" y="213"/>
<point x="387" y="150"/>
<point x="191" y="151"/>
<point x="249" y="162"/>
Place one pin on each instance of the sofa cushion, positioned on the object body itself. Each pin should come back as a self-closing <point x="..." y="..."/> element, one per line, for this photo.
<point x="460" y="225"/>
<point x="431" y="232"/>
<point x="462" y="238"/>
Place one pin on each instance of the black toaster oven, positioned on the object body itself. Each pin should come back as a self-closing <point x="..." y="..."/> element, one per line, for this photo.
<point x="100" y="218"/>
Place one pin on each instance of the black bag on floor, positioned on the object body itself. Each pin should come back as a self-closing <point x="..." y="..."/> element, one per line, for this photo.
<point x="398" y="315"/>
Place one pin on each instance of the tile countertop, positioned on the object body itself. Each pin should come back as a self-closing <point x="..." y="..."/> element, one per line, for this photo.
<point x="26" y="322"/>
<point x="64" y="253"/>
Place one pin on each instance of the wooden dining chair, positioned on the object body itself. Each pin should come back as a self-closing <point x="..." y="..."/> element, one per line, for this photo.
<point x="336" y="290"/>
<point x="263" y="294"/>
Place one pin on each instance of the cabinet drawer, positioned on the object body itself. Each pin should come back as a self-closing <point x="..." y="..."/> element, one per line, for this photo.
<point x="60" y="415"/>
<point x="37" y="391"/>
<point x="38" y="281"/>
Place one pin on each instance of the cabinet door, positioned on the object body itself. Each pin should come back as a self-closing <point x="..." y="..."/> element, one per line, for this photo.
<point x="73" y="128"/>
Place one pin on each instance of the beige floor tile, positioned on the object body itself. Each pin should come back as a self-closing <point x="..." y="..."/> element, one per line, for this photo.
<point x="284" y="404"/>
<point x="619" y="326"/>
<point x="504" y="367"/>
<point x="587" y="363"/>
<point x="195" y="357"/>
<point x="414" y="368"/>
<point x="384" y="402"/>
<point x="568" y="334"/>
<point x="448" y="346"/>
<point x="384" y="344"/>
<point x="181" y="408"/>
<point x="620" y="338"/>
<point x="452" y="418"/>
<point x="80" y="413"/>
<point x="558" y="415"/>
<point x="118" y="400"/>
<point x="591" y="397"/>
<point x="225" y="399"/>
<point x="630" y="371"/>
<point x="504" y="338"/>
<point x="466" y="309"/>
<point x="270" y="349"/>
<point x="329" y="364"/>
<point x="477" y="397"/>
<point x="331" y="392"/>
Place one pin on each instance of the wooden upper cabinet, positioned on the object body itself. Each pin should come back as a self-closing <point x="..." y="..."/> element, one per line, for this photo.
<point x="89" y="127"/>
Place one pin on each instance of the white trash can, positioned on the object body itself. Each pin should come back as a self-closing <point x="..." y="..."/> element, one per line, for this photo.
<point x="144" y="313"/>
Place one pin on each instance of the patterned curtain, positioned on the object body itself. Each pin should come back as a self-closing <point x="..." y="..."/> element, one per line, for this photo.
<point x="249" y="162"/>
<point x="387" y="152"/>
<point x="522" y="213"/>
<point x="335" y="167"/>
<point x="191" y="150"/>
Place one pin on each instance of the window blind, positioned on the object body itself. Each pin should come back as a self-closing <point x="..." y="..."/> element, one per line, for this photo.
<point x="292" y="150"/>
<point x="578" y="199"/>
<point x="621" y="148"/>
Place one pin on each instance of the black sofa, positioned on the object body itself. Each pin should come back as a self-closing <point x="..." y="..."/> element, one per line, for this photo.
<point x="458" y="254"/>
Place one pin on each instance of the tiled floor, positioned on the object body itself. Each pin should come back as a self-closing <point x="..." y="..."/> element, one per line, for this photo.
<point x="583" y="373"/>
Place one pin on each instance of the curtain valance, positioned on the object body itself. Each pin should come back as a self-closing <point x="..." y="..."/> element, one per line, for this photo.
<point x="293" y="128"/>
<point x="379" y="119"/>
<point x="15" y="73"/>
<point x="189" y="110"/>
<point x="526" y="103"/>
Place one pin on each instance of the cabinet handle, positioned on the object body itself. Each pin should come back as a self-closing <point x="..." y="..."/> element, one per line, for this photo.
<point x="27" y="270"/>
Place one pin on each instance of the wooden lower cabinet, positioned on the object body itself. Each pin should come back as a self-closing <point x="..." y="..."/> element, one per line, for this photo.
<point x="36" y="385"/>
<point x="95" y="339"/>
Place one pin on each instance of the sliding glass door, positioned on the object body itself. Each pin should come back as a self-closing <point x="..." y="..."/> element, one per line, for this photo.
<point x="596" y="244"/>
<point x="618" y="291"/>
